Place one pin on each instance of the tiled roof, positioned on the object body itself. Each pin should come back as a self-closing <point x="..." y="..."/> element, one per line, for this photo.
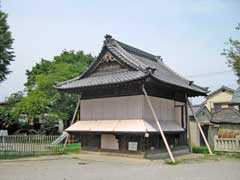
<point x="226" y="115"/>
<point x="196" y="109"/>
<point x="110" y="78"/>
<point x="236" y="97"/>
<point x="144" y="63"/>
<point x="221" y="89"/>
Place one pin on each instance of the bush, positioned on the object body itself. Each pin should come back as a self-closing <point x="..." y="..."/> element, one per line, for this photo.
<point x="72" y="148"/>
<point x="200" y="150"/>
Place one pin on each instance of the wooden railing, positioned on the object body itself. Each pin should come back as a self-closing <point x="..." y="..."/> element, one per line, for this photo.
<point x="227" y="144"/>
<point x="35" y="144"/>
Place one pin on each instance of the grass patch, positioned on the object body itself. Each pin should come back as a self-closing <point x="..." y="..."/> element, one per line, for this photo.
<point x="72" y="148"/>
<point x="200" y="150"/>
<point x="18" y="156"/>
<point x="227" y="154"/>
<point x="173" y="163"/>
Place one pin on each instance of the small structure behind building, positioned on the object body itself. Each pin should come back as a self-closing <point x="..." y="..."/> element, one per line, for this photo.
<point x="204" y="117"/>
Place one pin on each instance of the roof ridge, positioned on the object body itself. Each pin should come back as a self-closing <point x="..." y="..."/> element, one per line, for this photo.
<point x="174" y="72"/>
<point x="150" y="56"/>
<point x="138" y="51"/>
<point x="222" y="87"/>
<point x="140" y="65"/>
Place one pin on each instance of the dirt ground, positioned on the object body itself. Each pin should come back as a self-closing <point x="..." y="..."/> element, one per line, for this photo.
<point x="94" y="167"/>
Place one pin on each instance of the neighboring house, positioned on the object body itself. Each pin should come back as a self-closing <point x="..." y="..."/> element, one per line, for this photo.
<point x="115" y="112"/>
<point x="236" y="98"/>
<point x="221" y="98"/>
<point x="218" y="114"/>
<point x="204" y="117"/>
<point x="228" y="120"/>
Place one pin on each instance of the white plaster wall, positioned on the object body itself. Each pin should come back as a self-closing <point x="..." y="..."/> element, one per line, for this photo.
<point x="164" y="109"/>
<point x="126" y="107"/>
<point x="129" y="107"/>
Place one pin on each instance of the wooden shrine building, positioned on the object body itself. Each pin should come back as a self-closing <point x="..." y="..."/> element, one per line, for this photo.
<point x="130" y="100"/>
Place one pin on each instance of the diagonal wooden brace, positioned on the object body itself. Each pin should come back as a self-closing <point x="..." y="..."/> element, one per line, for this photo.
<point x="159" y="126"/>
<point x="199" y="126"/>
<point x="73" y="118"/>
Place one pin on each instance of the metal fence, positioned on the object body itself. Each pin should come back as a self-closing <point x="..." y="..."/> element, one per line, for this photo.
<point x="227" y="144"/>
<point x="24" y="145"/>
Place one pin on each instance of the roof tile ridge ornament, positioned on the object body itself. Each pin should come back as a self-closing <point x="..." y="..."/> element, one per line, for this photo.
<point x="137" y="51"/>
<point x="159" y="59"/>
<point x="108" y="39"/>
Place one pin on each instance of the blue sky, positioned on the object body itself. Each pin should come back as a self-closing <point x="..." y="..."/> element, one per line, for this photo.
<point x="189" y="35"/>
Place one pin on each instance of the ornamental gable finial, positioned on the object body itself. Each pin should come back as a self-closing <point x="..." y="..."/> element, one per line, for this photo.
<point x="108" y="38"/>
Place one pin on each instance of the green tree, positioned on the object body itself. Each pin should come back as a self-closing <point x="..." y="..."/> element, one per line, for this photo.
<point x="6" y="41"/>
<point x="42" y="97"/>
<point x="233" y="54"/>
<point x="9" y="111"/>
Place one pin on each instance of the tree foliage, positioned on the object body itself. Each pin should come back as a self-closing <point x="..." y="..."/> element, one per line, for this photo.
<point x="6" y="41"/>
<point x="233" y="55"/>
<point x="8" y="112"/>
<point x="41" y="96"/>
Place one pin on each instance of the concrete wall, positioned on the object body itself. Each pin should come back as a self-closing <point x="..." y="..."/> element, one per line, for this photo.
<point x="212" y="131"/>
<point x="194" y="133"/>
<point x="231" y="128"/>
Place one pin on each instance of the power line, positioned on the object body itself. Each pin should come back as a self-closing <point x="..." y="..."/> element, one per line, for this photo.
<point x="209" y="74"/>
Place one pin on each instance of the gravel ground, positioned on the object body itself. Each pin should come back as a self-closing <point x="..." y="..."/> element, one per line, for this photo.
<point x="89" y="167"/>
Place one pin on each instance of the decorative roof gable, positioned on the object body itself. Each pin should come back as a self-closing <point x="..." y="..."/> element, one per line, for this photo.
<point x="109" y="64"/>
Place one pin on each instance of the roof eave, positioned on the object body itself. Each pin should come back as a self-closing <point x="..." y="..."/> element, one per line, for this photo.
<point x="198" y="93"/>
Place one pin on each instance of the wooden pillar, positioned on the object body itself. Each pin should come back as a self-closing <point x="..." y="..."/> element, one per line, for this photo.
<point x="159" y="126"/>
<point x="187" y="126"/>
<point x="182" y="116"/>
<point x="199" y="127"/>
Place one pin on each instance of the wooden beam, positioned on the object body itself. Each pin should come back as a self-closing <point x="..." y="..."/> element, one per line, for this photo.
<point x="73" y="118"/>
<point x="159" y="126"/>
<point x="76" y="110"/>
<point x="199" y="127"/>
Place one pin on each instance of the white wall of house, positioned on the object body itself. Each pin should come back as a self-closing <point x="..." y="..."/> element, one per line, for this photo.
<point x="129" y="107"/>
<point x="220" y="97"/>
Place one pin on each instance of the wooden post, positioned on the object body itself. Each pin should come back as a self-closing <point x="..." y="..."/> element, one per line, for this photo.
<point x="199" y="127"/>
<point x="188" y="125"/>
<point x="159" y="126"/>
<point x="76" y="110"/>
<point x="73" y="119"/>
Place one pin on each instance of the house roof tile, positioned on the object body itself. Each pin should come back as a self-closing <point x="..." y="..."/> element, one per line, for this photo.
<point x="226" y="115"/>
